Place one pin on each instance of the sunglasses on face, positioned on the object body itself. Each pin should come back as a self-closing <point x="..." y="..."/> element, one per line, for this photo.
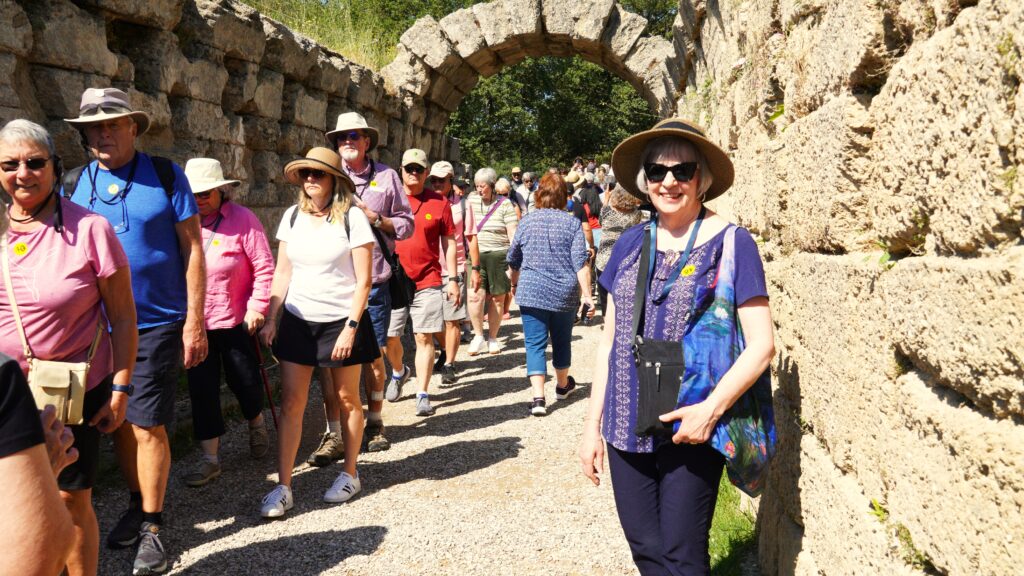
<point x="414" y="169"/>
<point x="354" y="136"/>
<point x="31" y="164"/>
<point x="436" y="180"/>
<point x="305" y="173"/>
<point x="682" y="172"/>
<point x="204" y="195"/>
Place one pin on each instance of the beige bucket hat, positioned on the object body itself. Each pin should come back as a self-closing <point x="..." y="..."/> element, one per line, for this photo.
<point x="352" y="121"/>
<point x="206" y="174"/>
<point x="100" y="104"/>
<point x="319" y="158"/>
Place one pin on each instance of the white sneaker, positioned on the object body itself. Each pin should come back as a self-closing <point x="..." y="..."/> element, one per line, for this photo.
<point x="476" y="346"/>
<point x="493" y="346"/>
<point x="344" y="488"/>
<point x="277" y="502"/>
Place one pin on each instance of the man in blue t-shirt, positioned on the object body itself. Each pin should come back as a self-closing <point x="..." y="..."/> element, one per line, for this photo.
<point x="149" y="203"/>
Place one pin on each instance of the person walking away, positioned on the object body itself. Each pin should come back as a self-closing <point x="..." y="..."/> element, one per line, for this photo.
<point x="620" y="213"/>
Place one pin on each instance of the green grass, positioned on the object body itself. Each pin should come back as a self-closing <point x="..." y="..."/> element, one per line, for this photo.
<point x="732" y="533"/>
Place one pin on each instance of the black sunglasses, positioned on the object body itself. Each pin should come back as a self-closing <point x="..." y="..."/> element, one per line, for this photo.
<point x="204" y="195"/>
<point x="31" y="164"/>
<point x="354" y="136"/>
<point x="682" y="172"/>
<point x="414" y="169"/>
<point x="307" y="172"/>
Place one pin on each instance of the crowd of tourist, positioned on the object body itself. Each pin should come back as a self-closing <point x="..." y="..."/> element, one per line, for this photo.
<point x="121" y="273"/>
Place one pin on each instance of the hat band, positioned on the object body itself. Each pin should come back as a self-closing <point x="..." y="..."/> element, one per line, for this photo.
<point x="681" y="126"/>
<point x="97" y="109"/>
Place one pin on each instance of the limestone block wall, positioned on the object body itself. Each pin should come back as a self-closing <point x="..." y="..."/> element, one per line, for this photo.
<point x="878" y="148"/>
<point x="218" y="78"/>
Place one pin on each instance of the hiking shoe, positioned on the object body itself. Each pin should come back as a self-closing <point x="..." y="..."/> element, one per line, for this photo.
<point x="423" y="407"/>
<point x="126" y="532"/>
<point x="448" y="375"/>
<point x="476" y="346"/>
<point x="329" y="450"/>
<point x="493" y="346"/>
<point x="394" y="390"/>
<point x="277" y="502"/>
<point x="563" y="393"/>
<point x="343" y="489"/>
<point x="538" y="407"/>
<point x="441" y="359"/>
<point x="373" y="437"/>
<point x="150" y="557"/>
<point x="259" y="442"/>
<point x="202" y="474"/>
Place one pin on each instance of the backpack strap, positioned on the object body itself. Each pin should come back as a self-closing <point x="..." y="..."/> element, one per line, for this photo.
<point x="70" y="180"/>
<point x="165" y="172"/>
<point x="295" y="214"/>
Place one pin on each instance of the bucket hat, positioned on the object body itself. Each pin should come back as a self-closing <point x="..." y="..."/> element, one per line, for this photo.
<point x="353" y="121"/>
<point x="101" y="104"/>
<point x="206" y="174"/>
<point x="319" y="158"/>
<point x="626" y="157"/>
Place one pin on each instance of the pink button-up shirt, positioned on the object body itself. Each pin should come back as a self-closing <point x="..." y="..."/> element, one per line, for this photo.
<point x="239" y="266"/>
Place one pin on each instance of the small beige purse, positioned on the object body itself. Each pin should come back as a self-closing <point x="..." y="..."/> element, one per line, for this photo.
<point x="60" y="384"/>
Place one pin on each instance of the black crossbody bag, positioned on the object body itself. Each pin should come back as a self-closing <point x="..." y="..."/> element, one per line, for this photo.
<point x="660" y="364"/>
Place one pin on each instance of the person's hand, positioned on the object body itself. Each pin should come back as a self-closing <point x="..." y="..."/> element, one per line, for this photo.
<point x="193" y="337"/>
<point x="253" y="321"/>
<point x="696" y="422"/>
<point x="474" y="280"/>
<point x="343" y="346"/>
<point x="591" y="454"/>
<point x="268" y="334"/>
<point x="584" y="302"/>
<point x="59" y="440"/>
<point x="111" y="415"/>
<point x="454" y="294"/>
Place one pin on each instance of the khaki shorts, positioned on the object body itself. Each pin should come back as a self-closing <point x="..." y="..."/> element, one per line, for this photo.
<point x="451" y="313"/>
<point x="425" y="311"/>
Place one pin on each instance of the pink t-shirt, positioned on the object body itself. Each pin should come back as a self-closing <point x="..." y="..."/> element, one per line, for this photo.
<point x="239" y="267"/>
<point x="55" y="278"/>
<point x="465" y="226"/>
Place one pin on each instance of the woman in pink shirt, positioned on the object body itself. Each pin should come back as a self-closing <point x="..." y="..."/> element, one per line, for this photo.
<point x="69" y="278"/>
<point x="239" y="269"/>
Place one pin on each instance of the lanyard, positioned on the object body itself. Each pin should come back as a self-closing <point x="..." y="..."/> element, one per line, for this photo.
<point x="213" y="232"/>
<point x="678" y="268"/>
<point x="369" y="178"/>
<point x="120" y="195"/>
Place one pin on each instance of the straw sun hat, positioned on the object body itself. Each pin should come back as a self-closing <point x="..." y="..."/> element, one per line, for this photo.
<point x="319" y="158"/>
<point x="626" y="158"/>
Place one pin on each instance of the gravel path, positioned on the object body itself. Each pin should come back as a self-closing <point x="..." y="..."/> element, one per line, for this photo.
<point x="481" y="487"/>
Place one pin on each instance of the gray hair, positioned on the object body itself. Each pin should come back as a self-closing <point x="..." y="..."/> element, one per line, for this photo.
<point x="529" y="176"/>
<point x="21" y="130"/>
<point x="486" y="175"/>
<point x="679" y="148"/>
<point x="504" y="185"/>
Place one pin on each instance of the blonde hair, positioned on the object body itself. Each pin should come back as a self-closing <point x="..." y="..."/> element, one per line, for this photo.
<point x="341" y="200"/>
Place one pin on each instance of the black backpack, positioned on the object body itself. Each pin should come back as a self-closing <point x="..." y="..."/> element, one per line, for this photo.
<point x="164" y="171"/>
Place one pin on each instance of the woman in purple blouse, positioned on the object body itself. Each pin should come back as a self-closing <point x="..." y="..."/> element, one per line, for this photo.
<point x="666" y="486"/>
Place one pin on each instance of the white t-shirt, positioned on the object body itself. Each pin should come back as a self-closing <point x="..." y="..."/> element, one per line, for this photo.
<point x="323" y="275"/>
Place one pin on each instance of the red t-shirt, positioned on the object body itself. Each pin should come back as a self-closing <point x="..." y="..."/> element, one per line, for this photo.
<point x="419" y="253"/>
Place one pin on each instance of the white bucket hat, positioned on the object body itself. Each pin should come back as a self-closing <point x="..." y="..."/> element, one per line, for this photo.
<point x="206" y="174"/>
<point x="353" y="121"/>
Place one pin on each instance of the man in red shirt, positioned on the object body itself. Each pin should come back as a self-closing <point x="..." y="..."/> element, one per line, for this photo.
<point x="433" y="232"/>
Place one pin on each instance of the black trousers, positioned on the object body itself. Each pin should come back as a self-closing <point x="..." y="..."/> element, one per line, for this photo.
<point x="234" y="350"/>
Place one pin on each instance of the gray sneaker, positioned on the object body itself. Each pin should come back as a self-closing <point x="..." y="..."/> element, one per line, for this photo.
<point x="202" y="474"/>
<point x="394" y="389"/>
<point x="259" y="442"/>
<point x="150" y="557"/>
<point x="329" y="450"/>
<point x="373" y="437"/>
<point x="423" y="407"/>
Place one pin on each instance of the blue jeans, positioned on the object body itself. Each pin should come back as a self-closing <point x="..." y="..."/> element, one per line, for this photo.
<point x="537" y="323"/>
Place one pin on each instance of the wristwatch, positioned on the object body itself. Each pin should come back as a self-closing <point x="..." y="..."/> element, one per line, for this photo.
<point x="126" y="388"/>
<point x="353" y="323"/>
<point x="475" y="268"/>
<point x="457" y="278"/>
<point x="380" y="220"/>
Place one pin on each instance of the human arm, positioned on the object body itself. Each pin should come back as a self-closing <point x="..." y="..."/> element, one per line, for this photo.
<point x="580" y="256"/>
<point x="119" y="304"/>
<point x="362" y="261"/>
<point x="396" y="217"/>
<point x="474" y="260"/>
<point x="592" y="449"/>
<point x="191" y="248"/>
<point x="257" y="249"/>
<point x="278" y="291"/>
<point x="451" y="257"/>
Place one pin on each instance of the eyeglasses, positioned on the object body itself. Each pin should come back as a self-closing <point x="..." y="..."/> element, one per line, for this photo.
<point x="414" y="169"/>
<point x="31" y="164"/>
<point x="354" y="136"/>
<point x="307" y="172"/>
<point x="682" y="172"/>
<point x="204" y="195"/>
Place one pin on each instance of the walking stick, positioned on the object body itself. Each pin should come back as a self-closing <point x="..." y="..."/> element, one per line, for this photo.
<point x="266" y="381"/>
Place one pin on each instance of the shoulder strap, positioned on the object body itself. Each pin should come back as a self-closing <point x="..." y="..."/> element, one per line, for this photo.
<point x="165" y="172"/>
<point x="295" y="214"/>
<point x="10" y="297"/>
<point x="348" y="231"/>
<point x="70" y="180"/>
<point x="641" y="282"/>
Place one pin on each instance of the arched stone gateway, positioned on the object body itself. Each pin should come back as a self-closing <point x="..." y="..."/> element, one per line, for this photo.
<point x="442" y="61"/>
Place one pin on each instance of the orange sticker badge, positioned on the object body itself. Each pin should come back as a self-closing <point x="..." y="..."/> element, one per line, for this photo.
<point x="20" y="249"/>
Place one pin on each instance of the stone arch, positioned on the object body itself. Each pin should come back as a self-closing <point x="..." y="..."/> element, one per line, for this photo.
<point x="440" y="62"/>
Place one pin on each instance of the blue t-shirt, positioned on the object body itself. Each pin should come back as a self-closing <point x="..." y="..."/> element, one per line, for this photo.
<point x="144" y="221"/>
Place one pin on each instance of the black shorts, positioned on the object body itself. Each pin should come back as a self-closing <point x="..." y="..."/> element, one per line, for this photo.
<point x="310" y="343"/>
<point x="157" y="366"/>
<point x="81" y="474"/>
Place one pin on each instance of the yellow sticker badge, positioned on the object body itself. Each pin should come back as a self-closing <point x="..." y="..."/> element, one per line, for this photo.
<point x="216" y="242"/>
<point x="688" y="270"/>
<point x="20" y="249"/>
<point x="428" y="216"/>
<point x="113" y="189"/>
<point x="373" y="183"/>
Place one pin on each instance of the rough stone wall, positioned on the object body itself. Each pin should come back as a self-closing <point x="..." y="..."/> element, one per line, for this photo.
<point x="218" y="78"/>
<point x="878" y="146"/>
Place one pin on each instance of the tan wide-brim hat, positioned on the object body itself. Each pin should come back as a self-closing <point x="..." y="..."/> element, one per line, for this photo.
<point x="319" y="158"/>
<point x="353" y="121"/>
<point x="626" y="157"/>
<point x="206" y="174"/>
<point x="101" y="104"/>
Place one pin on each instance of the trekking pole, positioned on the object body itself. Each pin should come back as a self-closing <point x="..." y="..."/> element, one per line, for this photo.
<point x="266" y="381"/>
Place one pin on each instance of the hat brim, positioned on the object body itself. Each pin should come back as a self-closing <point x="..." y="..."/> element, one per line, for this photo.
<point x="291" y="171"/>
<point x="626" y="160"/>
<point x="374" y="136"/>
<point x="198" y="187"/>
<point x="141" y="120"/>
